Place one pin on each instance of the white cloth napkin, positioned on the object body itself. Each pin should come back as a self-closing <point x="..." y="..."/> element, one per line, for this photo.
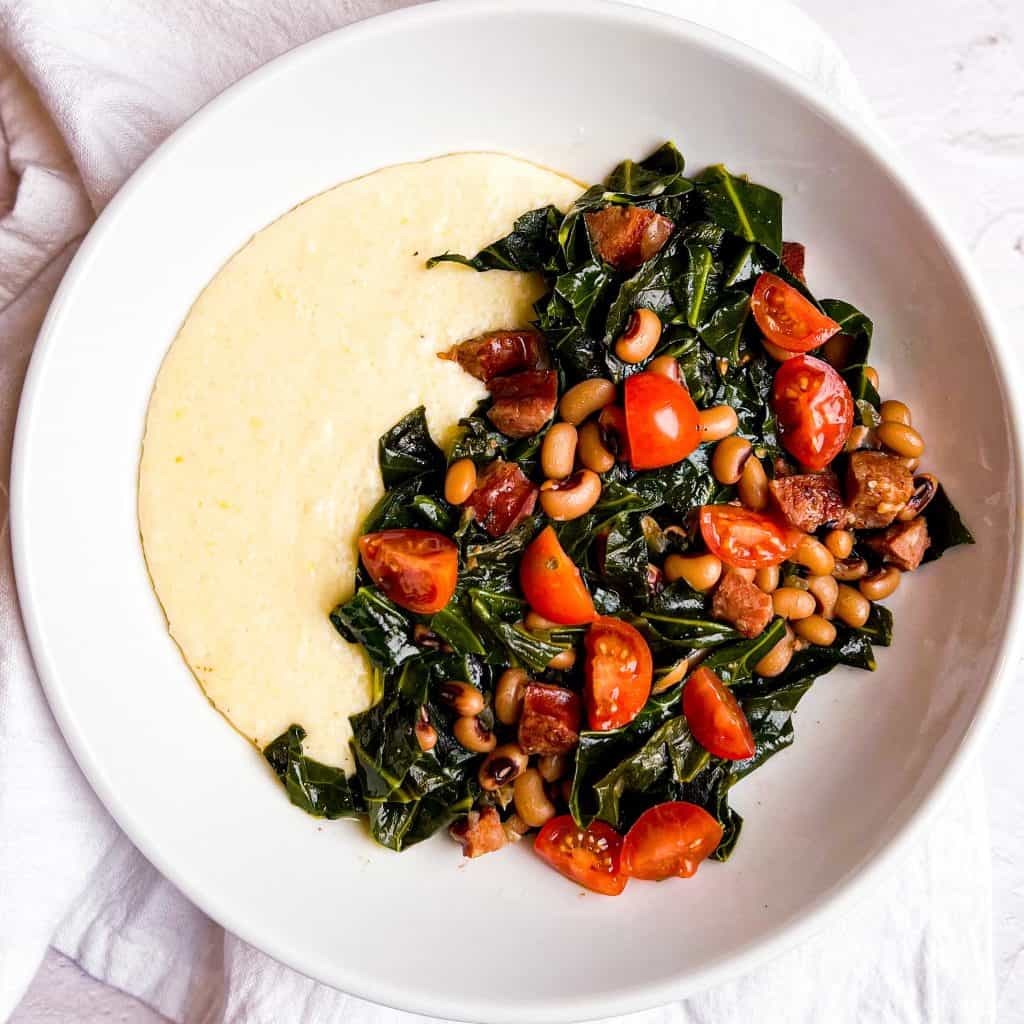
<point x="87" y="91"/>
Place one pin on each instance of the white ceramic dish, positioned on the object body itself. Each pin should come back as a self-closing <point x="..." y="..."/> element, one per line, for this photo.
<point x="504" y="939"/>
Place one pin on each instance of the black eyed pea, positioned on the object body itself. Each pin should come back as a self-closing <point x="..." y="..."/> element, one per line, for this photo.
<point x="558" y="451"/>
<point x="752" y="486"/>
<point x="925" y="488"/>
<point x="815" y="556"/>
<point x="459" y="481"/>
<point x="531" y="799"/>
<point x="729" y="458"/>
<point x="564" y="661"/>
<point x="825" y="590"/>
<point x="508" y="695"/>
<point x="593" y="452"/>
<point x="767" y="579"/>
<point x="793" y="603"/>
<point x="553" y="767"/>
<point x="586" y="398"/>
<point x="426" y="734"/>
<point x="501" y="766"/>
<point x="894" y="412"/>
<point x="700" y="571"/>
<point x="815" y="629"/>
<point x="717" y="423"/>
<point x="569" y="499"/>
<point x="850" y="569"/>
<point x="641" y="337"/>
<point x="777" y="660"/>
<point x="852" y="607"/>
<point x="665" y="366"/>
<point x="901" y="439"/>
<point x="471" y="734"/>
<point x="872" y="375"/>
<point x="881" y="584"/>
<point x="839" y="542"/>
<point x="463" y="699"/>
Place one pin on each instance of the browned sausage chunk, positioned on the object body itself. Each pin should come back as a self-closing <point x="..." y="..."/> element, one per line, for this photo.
<point x="740" y="602"/>
<point x="626" y="236"/>
<point x="499" y="352"/>
<point x="479" y="832"/>
<point x="524" y="402"/>
<point x="902" y="544"/>
<point x="793" y="259"/>
<point x="877" y="487"/>
<point x="550" y="722"/>
<point x="503" y="498"/>
<point x="809" y="500"/>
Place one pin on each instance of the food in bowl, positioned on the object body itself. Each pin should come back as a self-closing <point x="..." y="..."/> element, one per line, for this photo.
<point x="595" y="607"/>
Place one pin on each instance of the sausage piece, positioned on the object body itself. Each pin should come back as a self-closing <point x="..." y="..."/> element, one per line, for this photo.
<point x="793" y="259"/>
<point x="497" y="353"/>
<point x="523" y="402"/>
<point x="809" y="500"/>
<point x="741" y="603"/>
<point x="550" y="720"/>
<point x="479" y="832"/>
<point x="877" y="487"/>
<point x="503" y="497"/>
<point x="626" y="236"/>
<point x="902" y="544"/>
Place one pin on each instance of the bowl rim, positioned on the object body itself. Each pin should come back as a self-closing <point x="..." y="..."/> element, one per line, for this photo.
<point x="830" y="904"/>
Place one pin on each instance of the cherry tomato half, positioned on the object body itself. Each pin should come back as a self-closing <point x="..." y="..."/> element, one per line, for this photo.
<point x="786" y="318"/>
<point x="416" y="569"/>
<point x="815" y="410"/>
<point x="618" y="673"/>
<point x="669" y="841"/>
<point x="661" y="421"/>
<point x="552" y="584"/>
<point x="745" y="539"/>
<point x="590" y="857"/>
<point x="715" y="717"/>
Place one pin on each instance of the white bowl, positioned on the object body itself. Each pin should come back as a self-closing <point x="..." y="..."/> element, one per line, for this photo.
<point x="574" y="86"/>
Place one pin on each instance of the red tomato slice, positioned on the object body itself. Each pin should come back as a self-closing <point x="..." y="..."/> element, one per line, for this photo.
<point x="590" y="857"/>
<point x="552" y="584"/>
<point x="416" y="569"/>
<point x="716" y="718"/>
<point x="618" y="674"/>
<point x="669" y="841"/>
<point x="661" y="421"/>
<point x="815" y="410"/>
<point x="745" y="539"/>
<point x="786" y="318"/>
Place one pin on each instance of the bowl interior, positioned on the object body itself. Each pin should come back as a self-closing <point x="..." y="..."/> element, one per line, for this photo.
<point x="408" y="930"/>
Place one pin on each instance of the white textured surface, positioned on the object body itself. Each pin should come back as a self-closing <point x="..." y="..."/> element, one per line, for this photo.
<point x="947" y="81"/>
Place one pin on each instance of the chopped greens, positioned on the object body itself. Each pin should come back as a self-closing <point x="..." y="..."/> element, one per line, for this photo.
<point x="724" y="233"/>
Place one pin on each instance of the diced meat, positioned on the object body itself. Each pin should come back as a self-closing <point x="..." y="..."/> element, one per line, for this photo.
<point x="809" y="500"/>
<point x="479" y="832"/>
<point x="626" y="236"/>
<point x="741" y="603"/>
<point x="550" y="720"/>
<point x="793" y="259"/>
<point x="497" y="353"/>
<point x="503" y="497"/>
<point x="523" y="402"/>
<point x="902" y="544"/>
<point x="877" y="487"/>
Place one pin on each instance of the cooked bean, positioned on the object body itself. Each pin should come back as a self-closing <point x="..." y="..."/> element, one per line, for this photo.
<point x="563" y="661"/>
<point x="471" y="734"/>
<point x="816" y="629"/>
<point x="777" y="660"/>
<point x="536" y="623"/>
<point x="717" y="423"/>
<point x="572" y="498"/>
<point x="515" y="828"/>
<point x="894" y="412"/>
<point x="641" y="337"/>
<point x="925" y="488"/>
<point x="879" y="585"/>
<point x="777" y="352"/>
<point x="459" y="481"/>
<point x="508" y="695"/>
<point x="813" y="554"/>
<point x="839" y="542"/>
<point x="859" y="437"/>
<point x="729" y="458"/>
<point x="593" y="452"/>
<point x="558" y="451"/>
<point x="826" y="590"/>
<point x="553" y="767"/>
<point x="850" y="569"/>
<point x="586" y="398"/>
<point x="872" y="375"/>
<point x="744" y="574"/>
<point x="501" y="766"/>
<point x="791" y="603"/>
<point x="911" y="464"/>
<point x="665" y="366"/>
<point x="700" y="571"/>
<point x="531" y="800"/>
<point x="462" y="698"/>
<point x="767" y="579"/>
<point x="901" y="439"/>
<point x="752" y="487"/>
<point x="852" y="607"/>
<point x="678" y="672"/>
<point x="426" y="734"/>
